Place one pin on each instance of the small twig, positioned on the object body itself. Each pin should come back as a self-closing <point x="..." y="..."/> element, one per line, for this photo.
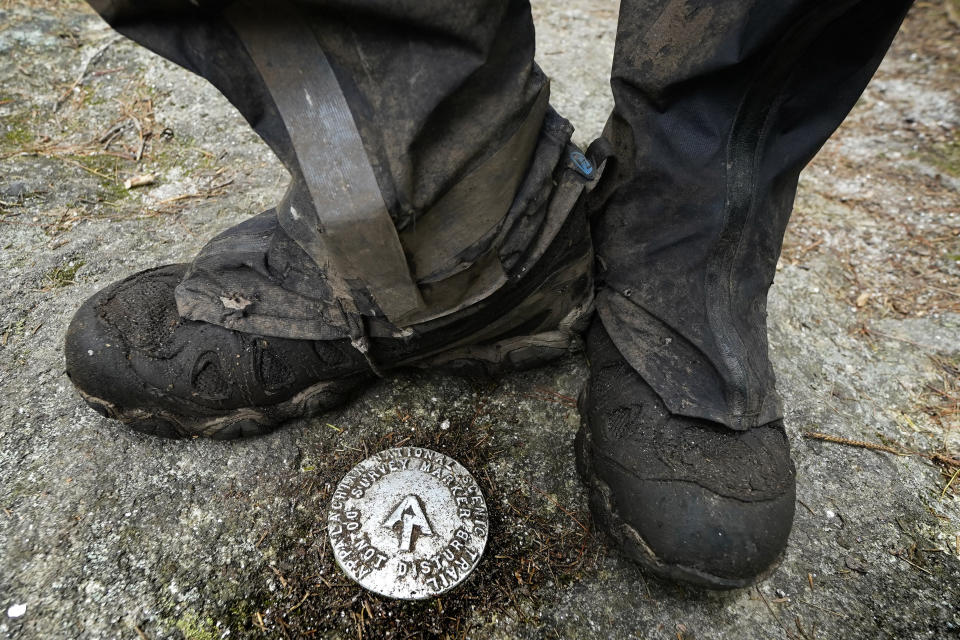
<point x="942" y="393"/>
<point x="772" y="612"/>
<point x="88" y="169"/>
<point x="805" y="506"/>
<point x="800" y="628"/>
<point x="299" y="604"/>
<point x="939" y="457"/>
<point x="807" y="249"/>
<point x="142" y="139"/>
<point x="212" y="192"/>
<point x="84" y="69"/>
<point x="934" y="457"/>
<point x="915" y="566"/>
<point x="113" y="132"/>
<point x="853" y="443"/>
<point x="899" y="339"/>
<point x="816" y="606"/>
<point x="950" y="482"/>
<point x="283" y="580"/>
<point x="106" y="72"/>
<point x="947" y="291"/>
<point x="560" y="506"/>
<point x="550" y="392"/>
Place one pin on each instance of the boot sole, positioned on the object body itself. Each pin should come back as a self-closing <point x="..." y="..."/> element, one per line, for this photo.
<point x="628" y="539"/>
<point x="237" y="423"/>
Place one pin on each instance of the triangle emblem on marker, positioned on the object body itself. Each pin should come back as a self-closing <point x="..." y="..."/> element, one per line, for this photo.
<point x="409" y="514"/>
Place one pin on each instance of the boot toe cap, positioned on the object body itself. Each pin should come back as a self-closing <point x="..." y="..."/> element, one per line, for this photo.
<point x="96" y="360"/>
<point x="96" y="352"/>
<point x="688" y="532"/>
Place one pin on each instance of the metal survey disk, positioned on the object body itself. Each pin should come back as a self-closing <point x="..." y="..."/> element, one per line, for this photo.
<point x="408" y="523"/>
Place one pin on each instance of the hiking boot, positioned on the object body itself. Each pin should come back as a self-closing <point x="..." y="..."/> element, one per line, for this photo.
<point x="689" y="499"/>
<point x="134" y="358"/>
<point x="716" y="111"/>
<point x="433" y="219"/>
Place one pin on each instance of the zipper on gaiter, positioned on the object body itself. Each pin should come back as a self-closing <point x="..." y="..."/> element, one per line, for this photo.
<point x="746" y="140"/>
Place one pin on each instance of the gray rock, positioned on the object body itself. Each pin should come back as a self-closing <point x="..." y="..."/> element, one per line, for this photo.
<point x="14" y="190"/>
<point x="105" y="533"/>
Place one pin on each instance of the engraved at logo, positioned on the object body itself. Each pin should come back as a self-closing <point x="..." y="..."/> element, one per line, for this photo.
<point x="408" y="514"/>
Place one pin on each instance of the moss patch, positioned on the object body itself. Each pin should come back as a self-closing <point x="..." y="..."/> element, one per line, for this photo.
<point x="106" y="168"/>
<point x="63" y="275"/>
<point x="945" y="156"/>
<point x="194" y="628"/>
<point x="16" y="131"/>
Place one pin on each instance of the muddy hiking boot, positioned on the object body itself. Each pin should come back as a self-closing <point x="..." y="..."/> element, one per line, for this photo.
<point x="689" y="498"/>
<point x="435" y="216"/>
<point x="718" y="106"/>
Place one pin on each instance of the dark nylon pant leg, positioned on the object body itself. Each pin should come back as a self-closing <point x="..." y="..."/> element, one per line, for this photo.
<point x="719" y="105"/>
<point x="433" y="85"/>
<point x="439" y="92"/>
